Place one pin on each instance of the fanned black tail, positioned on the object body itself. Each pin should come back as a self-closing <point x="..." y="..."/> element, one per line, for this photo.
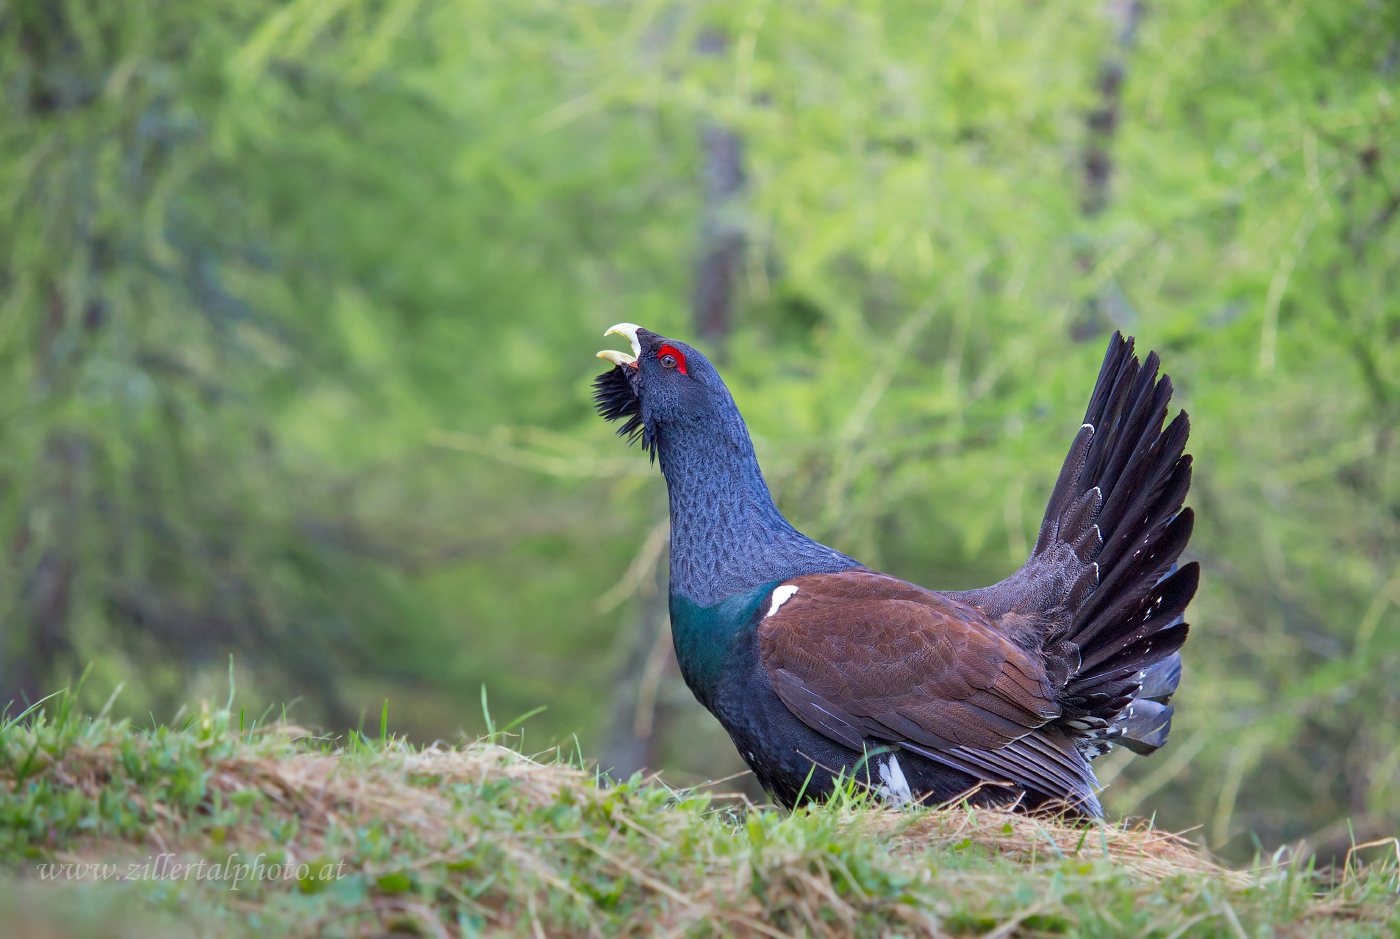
<point x="1116" y="509"/>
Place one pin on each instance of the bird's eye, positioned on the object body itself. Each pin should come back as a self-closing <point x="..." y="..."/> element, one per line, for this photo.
<point x="671" y="357"/>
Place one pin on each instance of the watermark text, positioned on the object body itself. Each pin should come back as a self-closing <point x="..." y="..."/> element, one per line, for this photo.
<point x="232" y="871"/>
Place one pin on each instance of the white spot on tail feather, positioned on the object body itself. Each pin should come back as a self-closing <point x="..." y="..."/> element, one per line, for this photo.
<point x="894" y="786"/>
<point x="781" y="595"/>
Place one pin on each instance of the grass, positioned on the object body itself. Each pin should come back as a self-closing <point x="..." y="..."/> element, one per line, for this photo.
<point x="374" y="837"/>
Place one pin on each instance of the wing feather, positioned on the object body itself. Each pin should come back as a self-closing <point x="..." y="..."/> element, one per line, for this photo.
<point x="860" y="656"/>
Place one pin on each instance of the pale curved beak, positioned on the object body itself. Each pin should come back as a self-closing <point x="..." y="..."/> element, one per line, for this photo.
<point x="622" y="358"/>
<point x="617" y="358"/>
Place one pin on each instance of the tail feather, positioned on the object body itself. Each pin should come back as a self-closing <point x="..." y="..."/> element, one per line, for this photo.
<point x="1135" y="584"/>
<point x="1069" y="479"/>
<point x="1122" y="675"/>
<point x="1128" y="519"/>
<point x="1159" y="682"/>
<point x="1128" y="626"/>
<point x="1103" y="580"/>
<point x="1145" y="725"/>
<point x="1144" y="402"/>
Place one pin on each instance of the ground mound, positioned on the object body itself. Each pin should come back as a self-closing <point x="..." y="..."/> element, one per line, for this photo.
<point x="273" y="830"/>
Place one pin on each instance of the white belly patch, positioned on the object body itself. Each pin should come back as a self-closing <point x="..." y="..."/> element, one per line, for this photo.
<point x="894" y="786"/>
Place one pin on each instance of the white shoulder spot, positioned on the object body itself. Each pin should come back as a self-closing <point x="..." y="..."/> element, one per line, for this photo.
<point x="894" y="786"/>
<point x="781" y="595"/>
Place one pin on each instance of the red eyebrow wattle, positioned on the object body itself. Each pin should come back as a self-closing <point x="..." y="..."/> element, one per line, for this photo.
<point x="672" y="350"/>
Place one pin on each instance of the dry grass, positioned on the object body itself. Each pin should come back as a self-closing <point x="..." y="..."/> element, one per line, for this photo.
<point x="480" y="839"/>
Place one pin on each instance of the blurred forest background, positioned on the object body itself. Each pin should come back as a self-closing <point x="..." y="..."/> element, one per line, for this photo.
<point x="299" y="301"/>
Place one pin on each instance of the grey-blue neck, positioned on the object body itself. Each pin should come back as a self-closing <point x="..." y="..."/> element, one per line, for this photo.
<point x="727" y="536"/>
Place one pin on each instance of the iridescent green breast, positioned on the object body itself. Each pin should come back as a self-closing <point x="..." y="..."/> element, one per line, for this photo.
<point x="705" y="635"/>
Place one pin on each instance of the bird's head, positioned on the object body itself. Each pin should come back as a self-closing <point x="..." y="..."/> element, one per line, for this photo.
<point x="664" y="386"/>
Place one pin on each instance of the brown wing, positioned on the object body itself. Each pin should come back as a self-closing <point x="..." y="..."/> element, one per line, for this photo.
<point x="905" y="660"/>
<point x="861" y="655"/>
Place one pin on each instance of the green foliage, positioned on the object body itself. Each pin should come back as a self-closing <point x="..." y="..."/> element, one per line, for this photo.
<point x="298" y="302"/>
